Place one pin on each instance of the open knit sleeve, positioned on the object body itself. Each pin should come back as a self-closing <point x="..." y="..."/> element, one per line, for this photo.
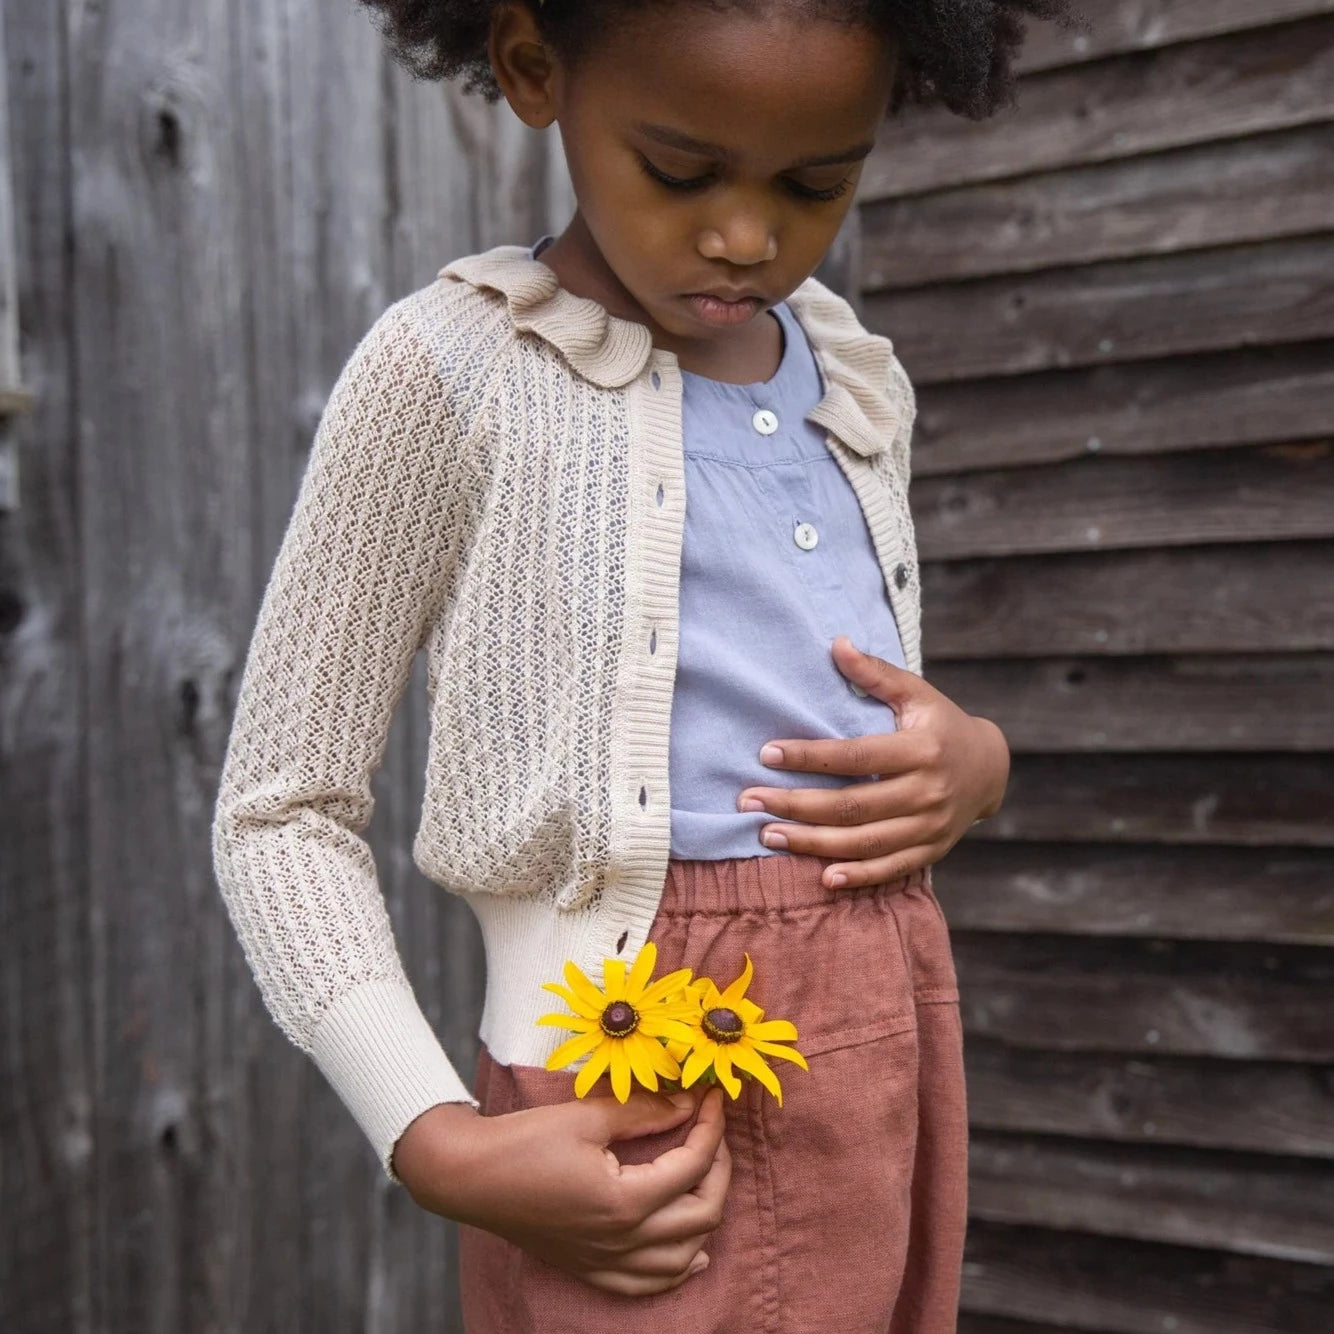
<point x="364" y="566"/>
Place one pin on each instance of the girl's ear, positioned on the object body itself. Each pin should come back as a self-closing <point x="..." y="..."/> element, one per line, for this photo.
<point x="523" y="64"/>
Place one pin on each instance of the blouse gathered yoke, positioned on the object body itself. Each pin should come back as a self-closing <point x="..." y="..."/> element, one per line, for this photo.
<point x="497" y="478"/>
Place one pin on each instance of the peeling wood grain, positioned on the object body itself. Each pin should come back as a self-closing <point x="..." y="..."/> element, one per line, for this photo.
<point x="1265" y="597"/>
<point x="1186" y="893"/>
<point x="1144" y="102"/>
<point x="1244" y="397"/>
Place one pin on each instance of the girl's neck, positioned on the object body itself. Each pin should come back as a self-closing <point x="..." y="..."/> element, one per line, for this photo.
<point x="750" y="354"/>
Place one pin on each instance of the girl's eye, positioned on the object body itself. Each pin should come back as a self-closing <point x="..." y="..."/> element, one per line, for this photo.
<point x="699" y="182"/>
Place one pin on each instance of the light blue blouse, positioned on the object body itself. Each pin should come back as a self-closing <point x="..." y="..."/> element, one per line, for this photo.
<point x="776" y="561"/>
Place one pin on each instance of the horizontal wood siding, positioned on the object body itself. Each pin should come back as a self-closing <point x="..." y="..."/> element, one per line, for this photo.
<point x="1117" y="301"/>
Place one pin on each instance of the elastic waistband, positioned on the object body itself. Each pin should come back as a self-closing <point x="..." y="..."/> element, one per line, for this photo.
<point x="760" y="884"/>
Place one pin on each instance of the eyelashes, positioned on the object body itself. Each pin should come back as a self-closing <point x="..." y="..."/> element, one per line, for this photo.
<point x="700" y="182"/>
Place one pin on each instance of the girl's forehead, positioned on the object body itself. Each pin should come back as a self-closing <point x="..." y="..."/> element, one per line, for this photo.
<point x="743" y="80"/>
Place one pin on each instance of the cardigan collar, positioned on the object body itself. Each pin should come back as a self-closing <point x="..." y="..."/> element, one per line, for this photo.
<point x="865" y="401"/>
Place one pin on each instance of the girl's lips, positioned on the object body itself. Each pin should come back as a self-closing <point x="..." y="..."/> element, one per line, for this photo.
<point x="714" y="310"/>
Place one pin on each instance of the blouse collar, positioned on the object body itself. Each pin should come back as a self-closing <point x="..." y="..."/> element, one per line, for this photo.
<point x="866" y="398"/>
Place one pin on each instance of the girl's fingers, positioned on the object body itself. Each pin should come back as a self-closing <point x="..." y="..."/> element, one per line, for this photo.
<point x="696" y="1213"/>
<point x="879" y="838"/>
<point x="877" y="871"/>
<point x="875" y="753"/>
<point x="641" y="1285"/>
<point x="856" y="804"/>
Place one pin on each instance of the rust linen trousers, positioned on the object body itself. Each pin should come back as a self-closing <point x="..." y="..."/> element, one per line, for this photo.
<point x="847" y="1205"/>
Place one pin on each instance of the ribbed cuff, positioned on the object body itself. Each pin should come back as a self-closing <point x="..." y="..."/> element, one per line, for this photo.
<point x="384" y="1060"/>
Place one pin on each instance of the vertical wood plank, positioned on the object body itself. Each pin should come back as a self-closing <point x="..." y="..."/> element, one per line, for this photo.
<point x="49" y="1128"/>
<point x="159" y="288"/>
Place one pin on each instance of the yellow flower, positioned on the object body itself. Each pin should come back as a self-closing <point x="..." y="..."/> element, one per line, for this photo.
<point x="622" y="1028"/>
<point x="733" y="1034"/>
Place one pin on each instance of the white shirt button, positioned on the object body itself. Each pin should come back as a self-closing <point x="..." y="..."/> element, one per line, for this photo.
<point x="764" y="422"/>
<point x="805" y="536"/>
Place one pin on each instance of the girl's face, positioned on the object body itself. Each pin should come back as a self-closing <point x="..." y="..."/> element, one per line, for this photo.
<point x="711" y="153"/>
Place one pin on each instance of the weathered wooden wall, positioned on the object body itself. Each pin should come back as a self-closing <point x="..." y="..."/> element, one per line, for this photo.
<point x="215" y="200"/>
<point x="1117" y="301"/>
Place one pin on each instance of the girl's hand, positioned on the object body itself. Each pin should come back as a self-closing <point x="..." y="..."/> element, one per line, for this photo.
<point x="545" y="1179"/>
<point x="939" y="773"/>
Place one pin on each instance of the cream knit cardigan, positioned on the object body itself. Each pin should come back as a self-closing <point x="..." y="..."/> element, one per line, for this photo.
<point x="497" y="478"/>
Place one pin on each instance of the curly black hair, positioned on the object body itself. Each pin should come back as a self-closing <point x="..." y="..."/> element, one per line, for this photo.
<point x="957" y="52"/>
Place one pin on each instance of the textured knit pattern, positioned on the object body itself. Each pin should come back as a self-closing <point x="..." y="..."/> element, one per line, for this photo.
<point x="497" y="479"/>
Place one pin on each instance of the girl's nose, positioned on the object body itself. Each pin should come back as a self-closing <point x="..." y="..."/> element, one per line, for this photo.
<point x="747" y="240"/>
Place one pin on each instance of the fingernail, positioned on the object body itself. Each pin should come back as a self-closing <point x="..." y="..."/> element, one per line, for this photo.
<point x="681" y="1099"/>
<point x="771" y="838"/>
<point x="751" y="804"/>
<point x="837" y="879"/>
<point x="771" y="754"/>
<point x="699" y="1264"/>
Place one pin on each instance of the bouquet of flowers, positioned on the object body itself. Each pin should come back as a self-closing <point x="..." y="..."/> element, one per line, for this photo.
<point x="674" y="1029"/>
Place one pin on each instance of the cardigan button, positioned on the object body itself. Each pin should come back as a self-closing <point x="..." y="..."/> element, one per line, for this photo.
<point x="901" y="577"/>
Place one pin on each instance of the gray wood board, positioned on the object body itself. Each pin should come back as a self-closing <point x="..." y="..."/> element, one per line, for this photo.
<point x="1146" y="102"/>
<point x="1219" y="194"/>
<point x="1243" y="800"/>
<point x="1125" y="310"/>
<point x="1129" y="1287"/>
<point x="1200" y="401"/>
<point x="1225" y="703"/>
<point x="1252" y="1106"/>
<point x="1187" y="893"/>
<point x="1116" y="26"/>
<point x="1276" y="492"/>
<point x="1232" y="999"/>
<point x="1261" y="598"/>
<point x="1250" y="1204"/>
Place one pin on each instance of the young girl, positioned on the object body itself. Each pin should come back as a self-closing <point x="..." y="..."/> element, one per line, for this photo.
<point x="640" y="492"/>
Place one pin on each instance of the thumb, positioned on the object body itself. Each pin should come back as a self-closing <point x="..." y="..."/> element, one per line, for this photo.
<point x="642" y="1114"/>
<point x="890" y="684"/>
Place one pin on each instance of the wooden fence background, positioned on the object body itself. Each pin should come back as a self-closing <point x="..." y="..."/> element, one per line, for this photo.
<point x="1118" y="305"/>
<point x="1117" y="302"/>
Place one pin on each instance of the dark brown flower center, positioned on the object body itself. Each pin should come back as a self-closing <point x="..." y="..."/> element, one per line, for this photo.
<point x="619" y="1020"/>
<point x="724" y="1025"/>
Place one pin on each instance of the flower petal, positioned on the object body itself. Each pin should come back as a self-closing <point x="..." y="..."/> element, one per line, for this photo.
<point x="675" y="1029"/>
<point x="664" y="986"/>
<point x="746" y="1058"/>
<point x="575" y="1022"/>
<point x="773" y="1030"/>
<point x="732" y="997"/>
<point x="590" y="999"/>
<point x="613" y="973"/>
<point x="722" y="1067"/>
<point x="696" y="1064"/>
<point x="640" y="1051"/>
<point x="620" y="1070"/>
<point x="569" y="1052"/>
<point x="787" y="1053"/>
<point x="645" y="962"/>
<point x="666" y="1061"/>
<point x="593" y="1070"/>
